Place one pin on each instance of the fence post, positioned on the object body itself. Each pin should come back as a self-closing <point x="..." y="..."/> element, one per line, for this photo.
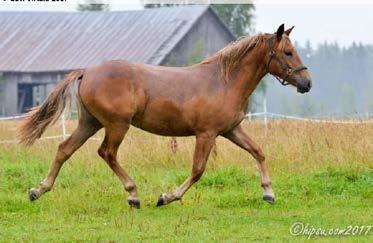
<point x="63" y="119"/>
<point x="249" y="115"/>
<point x="265" y="115"/>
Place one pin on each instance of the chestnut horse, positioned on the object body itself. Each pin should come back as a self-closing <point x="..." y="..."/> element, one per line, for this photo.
<point x="205" y="100"/>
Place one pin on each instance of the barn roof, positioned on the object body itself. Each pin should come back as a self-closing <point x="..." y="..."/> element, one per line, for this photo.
<point x="45" y="41"/>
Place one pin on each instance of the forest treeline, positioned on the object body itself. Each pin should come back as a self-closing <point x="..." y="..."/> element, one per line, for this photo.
<point x="342" y="82"/>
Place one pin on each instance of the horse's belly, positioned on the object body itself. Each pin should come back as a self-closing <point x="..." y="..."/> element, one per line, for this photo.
<point x="167" y="129"/>
<point x="163" y="117"/>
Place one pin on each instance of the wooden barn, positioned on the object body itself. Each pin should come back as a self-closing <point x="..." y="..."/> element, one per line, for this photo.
<point x="38" y="48"/>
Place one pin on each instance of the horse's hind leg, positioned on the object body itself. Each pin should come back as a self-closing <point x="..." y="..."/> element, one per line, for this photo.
<point x="86" y="128"/>
<point x="114" y="135"/>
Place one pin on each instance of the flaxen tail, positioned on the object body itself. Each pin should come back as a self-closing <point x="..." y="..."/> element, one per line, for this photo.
<point x="40" y="117"/>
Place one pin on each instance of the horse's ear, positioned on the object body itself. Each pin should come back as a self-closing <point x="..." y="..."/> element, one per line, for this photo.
<point x="280" y="32"/>
<point x="288" y="31"/>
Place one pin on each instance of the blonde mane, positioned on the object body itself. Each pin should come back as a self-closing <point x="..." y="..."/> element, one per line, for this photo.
<point x="231" y="55"/>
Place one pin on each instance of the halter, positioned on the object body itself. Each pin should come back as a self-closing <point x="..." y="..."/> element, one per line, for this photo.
<point x="285" y="67"/>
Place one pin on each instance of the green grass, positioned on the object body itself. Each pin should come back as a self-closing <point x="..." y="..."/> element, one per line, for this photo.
<point x="88" y="202"/>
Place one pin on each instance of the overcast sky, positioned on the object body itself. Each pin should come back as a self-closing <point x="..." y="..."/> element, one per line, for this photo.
<point x="341" y="21"/>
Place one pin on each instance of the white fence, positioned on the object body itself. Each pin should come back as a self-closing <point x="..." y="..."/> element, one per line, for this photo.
<point x="264" y="116"/>
<point x="62" y="122"/>
<point x="358" y="119"/>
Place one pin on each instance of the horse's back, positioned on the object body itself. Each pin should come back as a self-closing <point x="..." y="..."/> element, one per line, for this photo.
<point x="162" y="100"/>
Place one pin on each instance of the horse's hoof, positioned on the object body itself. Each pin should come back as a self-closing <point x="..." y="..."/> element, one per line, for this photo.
<point x="135" y="203"/>
<point x="269" y="199"/>
<point x="161" y="201"/>
<point x="33" y="194"/>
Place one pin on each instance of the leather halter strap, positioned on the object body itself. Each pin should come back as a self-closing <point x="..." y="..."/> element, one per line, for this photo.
<point x="285" y="67"/>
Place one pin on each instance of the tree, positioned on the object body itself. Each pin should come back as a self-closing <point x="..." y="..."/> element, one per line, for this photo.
<point x="348" y="104"/>
<point x="196" y="55"/>
<point x="238" y="17"/>
<point x="93" y="5"/>
<point x="158" y="5"/>
<point x="369" y="106"/>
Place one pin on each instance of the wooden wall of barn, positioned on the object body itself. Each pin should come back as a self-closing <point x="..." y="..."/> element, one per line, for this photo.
<point x="209" y="32"/>
<point x="11" y="81"/>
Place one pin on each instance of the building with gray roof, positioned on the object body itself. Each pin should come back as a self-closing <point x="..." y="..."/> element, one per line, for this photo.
<point x="38" y="48"/>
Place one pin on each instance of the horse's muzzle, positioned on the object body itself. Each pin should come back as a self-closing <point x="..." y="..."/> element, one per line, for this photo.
<point x="303" y="85"/>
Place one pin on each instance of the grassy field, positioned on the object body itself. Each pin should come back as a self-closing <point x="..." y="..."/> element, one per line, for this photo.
<point x="322" y="175"/>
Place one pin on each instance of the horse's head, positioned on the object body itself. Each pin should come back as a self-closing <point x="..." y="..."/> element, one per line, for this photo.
<point x="284" y="62"/>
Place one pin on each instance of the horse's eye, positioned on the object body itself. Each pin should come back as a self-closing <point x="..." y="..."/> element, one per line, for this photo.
<point x="288" y="53"/>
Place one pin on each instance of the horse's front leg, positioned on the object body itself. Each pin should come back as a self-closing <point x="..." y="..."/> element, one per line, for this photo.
<point x="239" y="137"/>
<point x="204" y="144"/>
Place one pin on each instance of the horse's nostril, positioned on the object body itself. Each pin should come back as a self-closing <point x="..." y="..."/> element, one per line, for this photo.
<point x="309" y="84"/>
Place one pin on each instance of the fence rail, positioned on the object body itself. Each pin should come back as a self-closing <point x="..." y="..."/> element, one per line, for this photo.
<point x="270" y="115"/>
<point x="12" y="117"/>
<point x="264" y="116"/>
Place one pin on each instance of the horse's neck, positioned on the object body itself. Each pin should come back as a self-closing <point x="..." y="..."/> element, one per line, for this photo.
<point x="248" y="74"/>
<point x="244" y="79"/>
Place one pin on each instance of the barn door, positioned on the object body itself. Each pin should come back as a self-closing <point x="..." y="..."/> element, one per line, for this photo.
<point x="30" y="95"/>
<point x="24" y="97"/>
